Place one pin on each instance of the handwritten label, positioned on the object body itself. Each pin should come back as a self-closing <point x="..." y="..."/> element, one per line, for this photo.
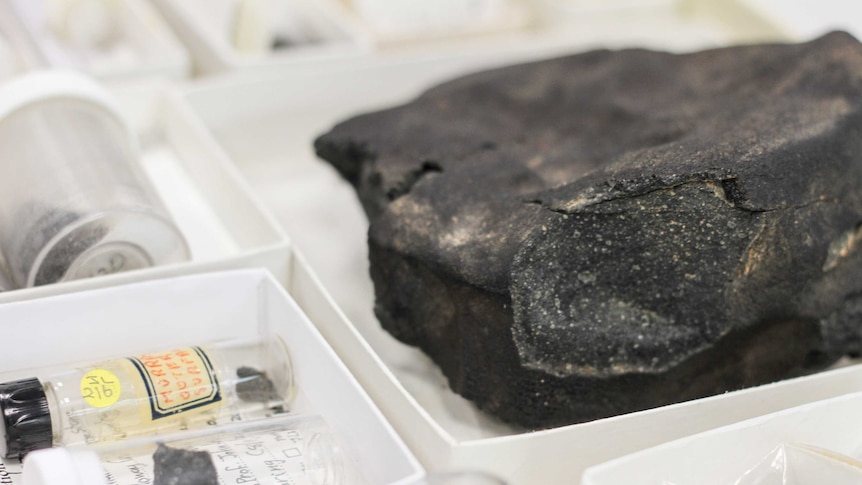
<point x="273" y="456"/>
<point x="10" y="472"/>
<point x="100" y="388"/>
<point x="178" y="380"/>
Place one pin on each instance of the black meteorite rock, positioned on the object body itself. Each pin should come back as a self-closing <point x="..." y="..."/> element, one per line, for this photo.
<point x="612" y="231"/>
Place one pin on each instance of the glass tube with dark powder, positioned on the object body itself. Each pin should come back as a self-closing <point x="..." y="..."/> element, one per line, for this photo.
<point x="78" y="202"/>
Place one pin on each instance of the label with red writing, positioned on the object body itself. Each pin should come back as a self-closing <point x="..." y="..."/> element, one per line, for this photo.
<point x="178" y="380"/>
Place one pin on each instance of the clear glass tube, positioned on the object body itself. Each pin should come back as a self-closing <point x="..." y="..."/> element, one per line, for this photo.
<point x="149" y="393"/>
<point x="78" y="203"/>
<point x="296" y="450"/>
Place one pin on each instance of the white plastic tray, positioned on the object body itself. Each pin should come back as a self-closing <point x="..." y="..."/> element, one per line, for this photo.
<point x="204" y="308"/>
<point x="724" y="455"/>
<point x="145" y="47"/>
<point x="268" y="126"/>
<point x="206" y="28"/>
<point x="225" y="226"/>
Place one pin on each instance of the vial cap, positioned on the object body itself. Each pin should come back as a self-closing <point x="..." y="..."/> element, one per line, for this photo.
<point x="63" y="466"/>
<point x="26" y="418"/>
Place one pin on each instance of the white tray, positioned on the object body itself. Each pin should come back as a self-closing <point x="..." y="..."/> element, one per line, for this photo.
<point x="224" y="224"/>
<point x="268" y="127"/>
<point x="389" y="22"/>
<point x="146" y="49"/>
<point x="723" y="455"/>
<point x="206" y="30"/>
<point x="203" y="308"/>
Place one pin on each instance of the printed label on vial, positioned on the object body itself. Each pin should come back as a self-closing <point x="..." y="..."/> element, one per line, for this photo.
<point x="178" y="380"/>
<point x="100" y="388"/>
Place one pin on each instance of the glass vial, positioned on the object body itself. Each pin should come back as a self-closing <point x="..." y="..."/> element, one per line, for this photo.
<point x="77" y="201"/>
<point x="296" y="450"/>
<point x="150" y="393"/>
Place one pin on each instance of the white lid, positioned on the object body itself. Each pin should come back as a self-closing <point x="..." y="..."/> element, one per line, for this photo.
<point x="45" y="85"/>
<point x="60" y="466"/>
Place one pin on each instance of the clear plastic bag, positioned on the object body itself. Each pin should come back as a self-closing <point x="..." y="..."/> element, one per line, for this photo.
<point x="802" y="464"/>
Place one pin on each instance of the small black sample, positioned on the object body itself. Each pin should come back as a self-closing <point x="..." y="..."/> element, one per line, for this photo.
<point x="183" y="467"/>
<point x="616" y="230"/>
<point x="255" y="386"/>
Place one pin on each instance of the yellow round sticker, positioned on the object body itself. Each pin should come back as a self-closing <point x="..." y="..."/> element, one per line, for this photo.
<point x="100" y="388"/>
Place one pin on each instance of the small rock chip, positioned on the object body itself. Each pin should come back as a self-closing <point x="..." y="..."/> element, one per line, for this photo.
<point x="183" y="467"/>
<point x="254" y="385"/>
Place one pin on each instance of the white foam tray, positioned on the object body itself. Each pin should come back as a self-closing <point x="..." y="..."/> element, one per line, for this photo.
<point x="198" y="309"/>
<point x="267" y="126"/>
<point x="146" y="49"/>
<point x="205" y="27"/>
<point x="724" y="455"/>
<point x="225" y="225"/>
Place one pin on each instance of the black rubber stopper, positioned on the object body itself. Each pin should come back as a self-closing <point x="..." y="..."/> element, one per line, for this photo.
<point x="26" y="418"/>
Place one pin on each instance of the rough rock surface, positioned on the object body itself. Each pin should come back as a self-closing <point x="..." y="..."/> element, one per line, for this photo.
<point x="612" y="231"/>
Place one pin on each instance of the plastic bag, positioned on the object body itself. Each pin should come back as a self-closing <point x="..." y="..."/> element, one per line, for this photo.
<point x="802" y="464"/>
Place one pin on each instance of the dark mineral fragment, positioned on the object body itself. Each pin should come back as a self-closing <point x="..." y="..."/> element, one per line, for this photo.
<point x="254" y="386"/>
<point x="183" y="467"/>
<point x="612" y="231"/>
